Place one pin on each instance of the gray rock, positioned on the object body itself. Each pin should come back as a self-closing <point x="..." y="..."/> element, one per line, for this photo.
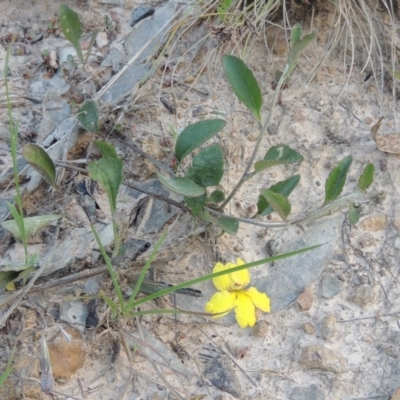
<point x="328" y="327"/>
<point x="331" y="286"/>
<point x="57" y="83"/>
<point x="307" y="393"/>
<point x="289" y="278"/>
<point x="113" y="59"/>
<point x="363" y="296"/>
<point x="308" y="328"/>
<point x="220" y="373"/>
<point x="319" y="357"/>
<point x="151" y="31"/>
<point x="140" y="13"/>
<point x="74" y="314"/>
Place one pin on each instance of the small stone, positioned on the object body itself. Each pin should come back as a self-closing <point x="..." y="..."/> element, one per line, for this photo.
<point x="74" y="313"/>
<point x="309" y="328"/>
<point x="306" y="299"/>
<point x="140" y="13"/>
<point x="101" y="40"/>
<point x="67" y="355"/>
<point x="319" y="357"/>
<point x="392" y="351"/>
<point x="307" y="393"/>
<point x="397" y="243"/>
<point x="396" y="395"/>
<point x="328" y="327"/>
<point x="363" y="296"/>
<point x="221" y="374"/>
<point x="374" y="223"/>
<point x="331" y="286"/>
<point x="260" y="329"/>
<point x="396" y="217"/>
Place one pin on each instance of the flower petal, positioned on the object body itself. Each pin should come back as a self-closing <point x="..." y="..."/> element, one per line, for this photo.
<point x="241" y="278"/>
<point x="245" y="310"/>
<point x="260" y="300"/>
<point x="223" y="282"/>
<point x="221" y="302"/>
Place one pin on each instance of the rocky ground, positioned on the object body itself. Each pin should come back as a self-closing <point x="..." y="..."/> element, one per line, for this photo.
<point x="333" y="331"/>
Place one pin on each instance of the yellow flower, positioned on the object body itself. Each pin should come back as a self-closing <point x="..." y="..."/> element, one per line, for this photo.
<point x="233" y="295"/>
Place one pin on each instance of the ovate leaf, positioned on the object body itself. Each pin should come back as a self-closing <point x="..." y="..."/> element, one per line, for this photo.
<point x="336" y="179"/>
<point x="216" y="197"/>
<point x="354" y="214"/>
<point x="71" y="27"/>
<point x="366" y="177"/>
<point x="183" y="186"/>
<point x="108" y="172"/>
<point x="278" y="202"/>
<point x="297" y="31"/>
<point x="88" y="116"/>
<point x="41" y="161"/>
<point x="297" y="49"/>
<point x="243" y="83"/>
<point x="195" y="135"/>
<point x="276" y="155"/>
<point x="228" y="225"/>
<point x="7" y="277"/>
<point x="196" y="204"/>
<point x="32" y="224"/>
<point x="284" y="188"/>
<point x="208" y="167"/>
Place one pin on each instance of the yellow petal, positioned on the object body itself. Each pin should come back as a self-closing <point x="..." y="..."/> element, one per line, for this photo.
<point x="245" y="310"/>
<point x="260" y="300"/>
<point x="241" y="278"/>
<point x="221" y="302"/>
<point x="223" y="282"/>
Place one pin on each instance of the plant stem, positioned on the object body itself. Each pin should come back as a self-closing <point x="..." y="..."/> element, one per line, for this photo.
<point x="263" y="131"/>
<point x="14" y="141"/>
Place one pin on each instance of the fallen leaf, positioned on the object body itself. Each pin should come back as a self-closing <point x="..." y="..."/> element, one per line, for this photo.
<point x="388" y="143"/>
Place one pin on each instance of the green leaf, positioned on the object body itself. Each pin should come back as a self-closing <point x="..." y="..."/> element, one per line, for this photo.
<point x="285" y="188"/>
<point x="108" y="171"/>
<point x="88" y="116"/>
<point x="194" y="135"/>
<point x="367" y="177"/>
<point x="196" y="204"/>
<point x="17" y="224"/>
<point x="228" y="225"/>
<point x="206" y="216"/>
<point x="297" y="49"/>
<point x="183" y="186"/>
<point x="32" y="224"/>
<point x="243" y="83"/>
<point x="71" y="28"/>
<point x="208" y="167"/>
<point x="216" y="197"/>
<point x="277" y="155"/>
<point x="297" y="31"/>
<point x="336" y="179"/>
<point x="41" y="161"/>
<point x="354" y="213"/>
<point x="278" y="202"/>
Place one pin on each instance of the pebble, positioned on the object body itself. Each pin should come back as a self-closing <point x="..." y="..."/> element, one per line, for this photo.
<point x="307" y="393"/>
<point x="374" y="223"/>
<point x="101" y="40"/>
<point x="260" y="329"/>
<point x="396" y="217"/>
<point x="309" y="328"/>
<point x="331" y="286"/>
<point x="221" y="374"/>
<point x="328" y="327"/>
<point x="363" y="296"/>
<point x="306" y="299"/>
<point x="320" y="357"/>
<point x="396" y="395"/>
<point x="67" y="355"/>
<point x="140" y="13"/>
